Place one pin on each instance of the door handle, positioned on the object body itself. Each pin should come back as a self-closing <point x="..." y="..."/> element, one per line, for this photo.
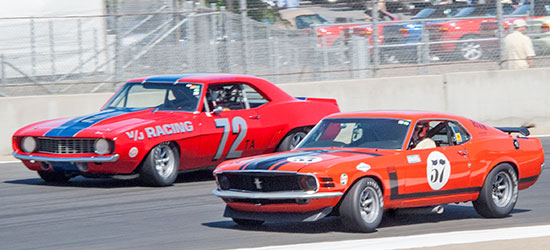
<point x="255" y="117"/>
<point x="463" y="152"/>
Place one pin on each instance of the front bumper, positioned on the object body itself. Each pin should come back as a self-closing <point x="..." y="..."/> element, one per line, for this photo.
<point x="112" y="158"/>
<point x="274" y="195"/>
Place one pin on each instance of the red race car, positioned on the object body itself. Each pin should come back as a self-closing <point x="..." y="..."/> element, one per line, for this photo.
<point x="357" y="165"/>
<point x="158" y="126"/>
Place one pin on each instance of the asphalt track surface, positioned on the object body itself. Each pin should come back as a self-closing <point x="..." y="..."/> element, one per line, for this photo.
<point x="115" y="214"/>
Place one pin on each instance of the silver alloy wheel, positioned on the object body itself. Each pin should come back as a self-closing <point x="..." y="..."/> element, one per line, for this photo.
<point x="370" y="205"/>
<point x="296" y="139"/>
<point x="163" y="156"/>
<point x="471" y="51"/>
<point x="502" y="189"/>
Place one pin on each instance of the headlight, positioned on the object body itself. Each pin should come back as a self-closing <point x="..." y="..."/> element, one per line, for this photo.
<point x="102" y="147"/>
<point x="309" y="183"/>
<point x="223" y="181"/>
<point x="28" y="144"/>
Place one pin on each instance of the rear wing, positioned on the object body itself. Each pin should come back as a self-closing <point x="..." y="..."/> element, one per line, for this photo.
<point x="522" y="130"/>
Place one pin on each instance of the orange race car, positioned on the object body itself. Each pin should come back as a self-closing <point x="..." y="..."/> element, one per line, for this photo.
<point x="357" y="165"/>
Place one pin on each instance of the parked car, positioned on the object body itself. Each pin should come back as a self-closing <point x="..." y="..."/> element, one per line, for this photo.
<point x="461" y="30"/>
<point x="358" y="165"/>
<point x="158" y="126"/>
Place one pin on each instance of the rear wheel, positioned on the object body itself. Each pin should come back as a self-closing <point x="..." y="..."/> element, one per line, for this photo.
<point x="292" y="140"/>
<point x="161" y="166"/>
<point x="499" y="193"/>
<point x="56" y="177"/>
<point x="246" y="222"/>
<point x="363" y="206"/>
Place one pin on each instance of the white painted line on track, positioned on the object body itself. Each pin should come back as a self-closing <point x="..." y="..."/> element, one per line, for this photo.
<point x="425" y="240"/>
<point x="6" y="162"/>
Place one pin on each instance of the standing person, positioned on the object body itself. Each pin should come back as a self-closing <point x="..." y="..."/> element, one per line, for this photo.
<point x="518" y="48"/>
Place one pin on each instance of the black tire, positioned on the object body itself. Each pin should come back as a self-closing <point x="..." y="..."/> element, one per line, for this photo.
<point x="247" y="222"/>
<point x="470" y="51"/>
<point x="160" y="167"/>
<point x="499" y="193"/>
<point x="291" y="140"/>
<point x="54" y="177"/>
<point x="354" y="212"/>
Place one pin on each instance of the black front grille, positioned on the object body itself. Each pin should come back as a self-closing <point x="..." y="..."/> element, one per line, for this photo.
<point x="65" y="146"/>
<point x="262" y="182"/>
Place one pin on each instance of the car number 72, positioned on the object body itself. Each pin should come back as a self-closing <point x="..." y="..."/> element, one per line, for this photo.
<point x="239" y="126"/>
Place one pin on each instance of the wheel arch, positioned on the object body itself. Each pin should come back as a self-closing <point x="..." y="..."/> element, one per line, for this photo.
<point x="150" y="147"/>
<point x="373" y="176"/>
<point x="306" y="129"/>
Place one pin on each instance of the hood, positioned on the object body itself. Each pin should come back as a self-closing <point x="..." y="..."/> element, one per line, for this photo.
<point x="106" y="121"/>
<point x="295" y="161"/>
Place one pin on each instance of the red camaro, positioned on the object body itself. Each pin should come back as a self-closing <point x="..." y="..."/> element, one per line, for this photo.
<point x="357" y="165"/>
<point x="158" y="126"/>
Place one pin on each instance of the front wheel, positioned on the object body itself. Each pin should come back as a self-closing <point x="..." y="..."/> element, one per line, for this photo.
<point x="55" y="177"/>
<point x="161" y="166"/>
<point x="363" y="206"/>
<point x="499" y="193"/>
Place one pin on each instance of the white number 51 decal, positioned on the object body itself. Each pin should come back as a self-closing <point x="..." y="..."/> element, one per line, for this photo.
<point x="239" y="126"/>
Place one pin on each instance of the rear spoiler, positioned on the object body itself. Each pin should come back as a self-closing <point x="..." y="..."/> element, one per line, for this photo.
<point x="522" y="130"/>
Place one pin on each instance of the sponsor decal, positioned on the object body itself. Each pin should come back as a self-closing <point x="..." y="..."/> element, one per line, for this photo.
<point x="438" y="170"/>
<point x="344" y="179"/>
<point x="304" y="159"/>
<point x="458" y="137"/>
<point x="133" y="152"/>
<point x="363" y="167"/>
<point x="161" y="130"/>
<point x="413" y="158"/>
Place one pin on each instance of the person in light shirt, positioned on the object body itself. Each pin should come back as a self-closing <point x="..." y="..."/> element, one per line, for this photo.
<point x="518" y="48"/>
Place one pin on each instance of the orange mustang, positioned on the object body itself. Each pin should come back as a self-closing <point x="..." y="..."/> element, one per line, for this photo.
<point x="357" y="165"/>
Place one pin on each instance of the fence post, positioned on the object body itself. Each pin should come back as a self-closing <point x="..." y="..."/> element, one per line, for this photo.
<point x="33" y="48"/>
<point x="3" y="71"/>
<point x="425" y="48"/>
<point x="118" y="50"/>
<point x="359" y="56"/>
<point x="52" y="47"/>
<point x="79" y="41"/>
<point x="96" y="51"/>
<point x="244" y="23"/>
<point x="324" y="48"/>
<point x="376" y="50"/>
<point x="500" y="33"/>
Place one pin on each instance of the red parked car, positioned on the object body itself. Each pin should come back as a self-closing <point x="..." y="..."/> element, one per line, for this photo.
<point x="158" y="126"/>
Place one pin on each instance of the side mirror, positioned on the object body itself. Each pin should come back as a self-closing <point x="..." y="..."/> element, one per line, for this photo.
<point x="217" y="110"/>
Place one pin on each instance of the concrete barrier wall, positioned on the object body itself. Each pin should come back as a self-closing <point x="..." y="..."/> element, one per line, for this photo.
<point x="498" y="98"/>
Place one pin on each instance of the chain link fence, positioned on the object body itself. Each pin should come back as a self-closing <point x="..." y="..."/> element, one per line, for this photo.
<point x="83" y="54"/>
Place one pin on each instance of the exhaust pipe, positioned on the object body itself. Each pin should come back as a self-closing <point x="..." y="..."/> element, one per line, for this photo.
<point x="422" y="210"/>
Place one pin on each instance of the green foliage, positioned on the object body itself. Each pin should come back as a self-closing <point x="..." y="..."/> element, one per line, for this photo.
<point x="258" y="12"/>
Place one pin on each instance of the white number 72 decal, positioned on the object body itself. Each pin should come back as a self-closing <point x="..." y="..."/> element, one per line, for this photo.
<point x="239" y="126"/>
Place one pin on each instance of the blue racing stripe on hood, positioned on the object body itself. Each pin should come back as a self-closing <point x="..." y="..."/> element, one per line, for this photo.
<point x="72" y="127"/>
<point x="168" y="78"/>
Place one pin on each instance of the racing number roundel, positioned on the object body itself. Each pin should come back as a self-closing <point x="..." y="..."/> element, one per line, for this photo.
<point x="438" y="170"/>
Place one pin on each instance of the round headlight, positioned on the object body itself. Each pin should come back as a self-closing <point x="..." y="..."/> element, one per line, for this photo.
<point x="223" y="181"/>
<point x="309" y="183"/>
<point x="101" y="147"/>
<point x="28" y="144"/>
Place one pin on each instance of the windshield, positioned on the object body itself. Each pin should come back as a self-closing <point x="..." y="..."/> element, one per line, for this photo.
<point x="305" y="21"/>
<point x="522" y="10"/>
<point x="164" y="96"/>
<point x="464" y="12"/>
<point x="424" y="13"/>
<point x="381" y="133"/>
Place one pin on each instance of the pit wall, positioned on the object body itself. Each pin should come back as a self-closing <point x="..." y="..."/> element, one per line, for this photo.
<point x="497" y="98"/>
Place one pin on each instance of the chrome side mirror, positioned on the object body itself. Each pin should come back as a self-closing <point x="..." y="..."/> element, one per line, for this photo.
<point x="217" y="110"/>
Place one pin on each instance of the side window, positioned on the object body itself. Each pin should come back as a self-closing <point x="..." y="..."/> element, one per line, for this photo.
<point x="459" y="134"/>
<point x="228" y="96"/>
<point x="253" y="98"/>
